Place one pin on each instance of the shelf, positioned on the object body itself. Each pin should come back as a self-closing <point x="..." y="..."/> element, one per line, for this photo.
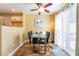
<point x="16" y="21"/>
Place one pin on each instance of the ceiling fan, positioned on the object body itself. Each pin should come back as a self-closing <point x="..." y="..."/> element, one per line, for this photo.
<point x="41" y="8"/>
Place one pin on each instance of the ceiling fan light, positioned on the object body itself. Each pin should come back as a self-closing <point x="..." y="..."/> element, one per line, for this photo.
<point x="41" y="10"/>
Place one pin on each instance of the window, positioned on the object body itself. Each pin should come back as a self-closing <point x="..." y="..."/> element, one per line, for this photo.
<point x="65" y="29"/>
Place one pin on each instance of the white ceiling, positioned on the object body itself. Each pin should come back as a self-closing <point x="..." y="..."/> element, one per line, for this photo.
<point x="26" y="7"/>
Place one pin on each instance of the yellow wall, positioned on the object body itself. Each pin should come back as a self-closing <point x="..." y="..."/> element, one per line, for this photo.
<point x="11" y="39"/>
<point x="0" y="40"/>
<point x="52" y="26"/>
<point x="29" y="23"/>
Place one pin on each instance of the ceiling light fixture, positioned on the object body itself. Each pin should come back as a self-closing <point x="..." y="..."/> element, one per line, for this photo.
<point x="41" y="9"/>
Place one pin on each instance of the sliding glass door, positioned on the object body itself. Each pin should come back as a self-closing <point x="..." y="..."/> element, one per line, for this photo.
<point x="65" y="29"/>
<point x="71" y="29"/>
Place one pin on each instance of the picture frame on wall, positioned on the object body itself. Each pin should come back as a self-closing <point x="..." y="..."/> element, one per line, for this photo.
<point x="39" y="23"/>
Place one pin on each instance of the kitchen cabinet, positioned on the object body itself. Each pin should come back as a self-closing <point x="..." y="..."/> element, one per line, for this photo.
<point x="11" y="19"/>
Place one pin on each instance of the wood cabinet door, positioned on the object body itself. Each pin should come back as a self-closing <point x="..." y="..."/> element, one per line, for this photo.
<point x="1" y="20"/>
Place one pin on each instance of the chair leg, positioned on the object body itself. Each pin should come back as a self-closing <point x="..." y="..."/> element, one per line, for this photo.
<point x="45" y="49"/>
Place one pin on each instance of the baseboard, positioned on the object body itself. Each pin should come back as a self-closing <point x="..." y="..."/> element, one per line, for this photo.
<point x="12" y="53"/>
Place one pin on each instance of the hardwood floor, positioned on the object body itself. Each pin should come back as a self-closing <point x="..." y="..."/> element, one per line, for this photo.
<point x="27" y="50"/>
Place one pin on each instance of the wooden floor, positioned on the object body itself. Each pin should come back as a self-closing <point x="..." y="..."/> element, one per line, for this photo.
<point x="27" y="50"/>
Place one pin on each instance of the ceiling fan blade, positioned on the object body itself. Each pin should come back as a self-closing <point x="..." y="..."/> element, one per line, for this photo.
<point x="39" y="13"/>
<point x="46" y="11"/>
<point x="47" y="5"/>
<point x="38" y="4"/>
<point x="33" y="9"/>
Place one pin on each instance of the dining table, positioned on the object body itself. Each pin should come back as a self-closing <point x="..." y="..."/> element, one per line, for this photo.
<point x="38" y="36"/>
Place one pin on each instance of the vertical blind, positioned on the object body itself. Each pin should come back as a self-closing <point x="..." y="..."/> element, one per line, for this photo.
<point x="65" y="29"/>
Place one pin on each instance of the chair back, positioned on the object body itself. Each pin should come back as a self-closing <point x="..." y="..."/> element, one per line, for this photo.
<point x="45" y="40"/>
<point x="35" y="40"/>
<point x="48" y="36"/>
<point x="30" y="35"/>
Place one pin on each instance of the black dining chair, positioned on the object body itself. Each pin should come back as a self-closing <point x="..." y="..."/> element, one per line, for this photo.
<point x="47" y="36"/>
<point x="35" y="43"/>
<point x="44" y="41"/>
<point x="30" y="36"/>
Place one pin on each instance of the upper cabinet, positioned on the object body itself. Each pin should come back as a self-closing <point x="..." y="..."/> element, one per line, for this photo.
<point x="11" y="19"/>
<point x="1" y="20"/>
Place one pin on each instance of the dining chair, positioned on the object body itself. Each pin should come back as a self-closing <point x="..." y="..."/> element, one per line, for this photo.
<point x="30" y="36"/>
<point x="35" y="43"/>
<point x="47" y="36"/>
<point x="44" y="41"/>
